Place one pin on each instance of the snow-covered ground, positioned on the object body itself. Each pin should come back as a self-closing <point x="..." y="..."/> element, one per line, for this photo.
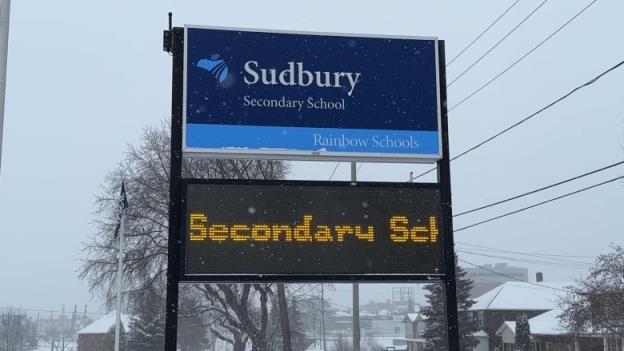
<point x="45" y="346"/>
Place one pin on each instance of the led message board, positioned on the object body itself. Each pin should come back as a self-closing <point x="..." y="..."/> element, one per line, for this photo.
<point x="369" y="231"/>
<point x="297" y="95"/>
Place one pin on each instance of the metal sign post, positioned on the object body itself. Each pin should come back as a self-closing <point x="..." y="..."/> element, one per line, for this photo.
<point x="176" y="44"/>
<point x="180" y="219"/>
<point x="444" y="179"/>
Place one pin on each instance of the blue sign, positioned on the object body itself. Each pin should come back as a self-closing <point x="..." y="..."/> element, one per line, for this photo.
<point x="310" y="96"/>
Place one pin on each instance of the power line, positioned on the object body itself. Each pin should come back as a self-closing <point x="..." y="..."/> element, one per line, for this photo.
<point x="536" y="284"/>
<point x="483" y="33"/>
<point x="533" y="255"/>
<point x="43" y="310"/>
<point x="292" y="293"/>
<point x="529" y="261"/>
<point x="460" y="53"/>
<point x="497" y="43"/>
<point x="338" y="164"/>
<point x="588" y="83"/>
<point x="570" y="93"/>
<point x="531" y="258"/>
<point x="334" y="171"/>
<point x="520" y="252"/>
<point x="540" y="189"/>
<point x="514" y="278"/>
<point x="538" y="204"/>
<point x="522" y="57"/>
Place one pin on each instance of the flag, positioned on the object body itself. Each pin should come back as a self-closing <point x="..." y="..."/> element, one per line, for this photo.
<point x="122" y="204"/>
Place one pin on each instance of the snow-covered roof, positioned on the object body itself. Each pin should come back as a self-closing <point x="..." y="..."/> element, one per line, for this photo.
<point x="480" y="334"/>
<point x="104" y="324"/>
<point x="521" y="296"/>
<point x="511" y="325"/>
<point x="383" y="312"/>
<point x="413" y="316"/>
<point x="342" y="314"/>
<point x="546" y="323"/>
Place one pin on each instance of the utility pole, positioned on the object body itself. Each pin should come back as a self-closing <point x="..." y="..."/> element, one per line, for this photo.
<point x="38" y="325"/>
<point x="52" y="330"/>
<point x="356" y="317"/>
<point x="323" y="316"/>
<point x="72" y="329"/>
<point x="62" y="320"/>
<point x="356" y="288"/>
<point x="5" y="11"/>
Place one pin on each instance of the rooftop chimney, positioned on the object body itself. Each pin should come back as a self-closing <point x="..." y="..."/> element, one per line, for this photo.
<point x="539" y="277"/>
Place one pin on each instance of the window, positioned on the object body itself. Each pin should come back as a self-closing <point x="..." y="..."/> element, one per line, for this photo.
<point x="420" y="329"/>
<point x="479" y="316"/>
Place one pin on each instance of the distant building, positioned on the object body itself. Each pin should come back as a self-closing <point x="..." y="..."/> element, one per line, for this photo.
<point x="497" y="310"/>
<point x="508" y="301"/>
<point x="96" y="336"/>
<point x="403" y="301"/>
<point x="547" y="334"/>
<point x="414" y="331"/>
<point x="373" y="308"/>
<point x="491" y="276"/>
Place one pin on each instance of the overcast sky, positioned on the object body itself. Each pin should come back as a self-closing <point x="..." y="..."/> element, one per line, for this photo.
<point x="85" y="77"/>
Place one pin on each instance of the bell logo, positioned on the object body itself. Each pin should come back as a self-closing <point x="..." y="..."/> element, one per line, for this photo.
<point x="216" y="66"/>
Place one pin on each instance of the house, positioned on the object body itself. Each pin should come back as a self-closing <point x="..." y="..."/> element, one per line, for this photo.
<point x="548" y="335"/>
<point x="414" y="331"/>
<point x="97" y="335"/>
<point x="507" y="302"/>
<point x="482" y="341"/>
<point x="415" y="325"/>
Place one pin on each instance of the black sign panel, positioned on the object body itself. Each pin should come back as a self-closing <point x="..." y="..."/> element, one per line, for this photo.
<point x="310" y="230"/>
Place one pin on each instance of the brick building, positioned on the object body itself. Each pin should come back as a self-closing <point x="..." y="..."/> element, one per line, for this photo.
<point x="510" y="300"/>
<point x="97" y="335"/>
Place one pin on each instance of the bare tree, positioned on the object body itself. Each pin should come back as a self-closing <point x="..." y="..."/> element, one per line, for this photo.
<point x="283" y="313"/>
<point x="241" y="307"/>
<point x="17" y="331"/>
<point x="596" y="304"/>
<point x="342" y="343"/>
<point x="145" y="170"/>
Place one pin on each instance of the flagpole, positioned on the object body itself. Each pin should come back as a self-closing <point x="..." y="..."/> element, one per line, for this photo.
<point x="119" y="280"/>
<point x="5" y="9"/>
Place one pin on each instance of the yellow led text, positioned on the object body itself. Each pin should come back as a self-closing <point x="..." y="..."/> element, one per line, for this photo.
<point x="401" y="232"/>
<point x="201" y="230"/>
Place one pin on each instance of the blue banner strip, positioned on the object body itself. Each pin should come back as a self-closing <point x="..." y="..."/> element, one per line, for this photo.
<point x="423" y="143"/>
